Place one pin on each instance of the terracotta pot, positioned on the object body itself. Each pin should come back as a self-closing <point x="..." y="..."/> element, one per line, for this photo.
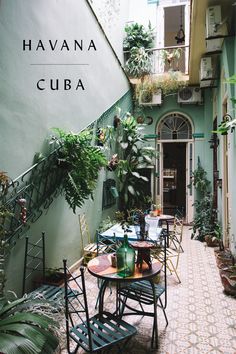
<point x="228" y="279"/>
<point x="211" y="241"/>
<point x="224" y="258"/>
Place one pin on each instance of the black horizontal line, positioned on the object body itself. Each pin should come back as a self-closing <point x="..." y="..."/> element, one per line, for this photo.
<point x="57" y="64"/>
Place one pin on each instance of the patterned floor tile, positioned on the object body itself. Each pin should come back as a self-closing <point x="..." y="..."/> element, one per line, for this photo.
<point x="202" y="319"/>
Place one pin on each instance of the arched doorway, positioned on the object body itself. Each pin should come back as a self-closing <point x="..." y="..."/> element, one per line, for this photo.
<point x="175" y="164"/>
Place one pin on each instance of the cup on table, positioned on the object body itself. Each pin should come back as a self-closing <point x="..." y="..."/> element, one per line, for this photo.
<point x="113" y="260"/>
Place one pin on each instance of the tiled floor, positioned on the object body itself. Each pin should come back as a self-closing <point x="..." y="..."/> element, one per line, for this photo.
<point x="202" y="319"/>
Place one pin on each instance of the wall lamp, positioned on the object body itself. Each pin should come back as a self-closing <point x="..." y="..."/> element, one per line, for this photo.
<point x="214" y="141"/>
<point x="219" y="183"/>
<point x="228" y="123"/>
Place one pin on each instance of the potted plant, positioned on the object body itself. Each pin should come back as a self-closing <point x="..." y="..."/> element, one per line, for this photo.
<point x="28" y="326"/>
<point x="228" y="279"/>
<point x="224" y="257"/>
<point x="82" y="163"/>
<point x="204" y="218"/>
<point x="138" y="37"/>
<point x="170" y="57"/>
<point x="53" y="276"/>
<point x="168" y="83"/>
<point x="228" y="123"/>
<point x="127" y="142"/>
<point x="139" y="63"/>
<point x="136" y="45"/>
<point x="213" y="239"/>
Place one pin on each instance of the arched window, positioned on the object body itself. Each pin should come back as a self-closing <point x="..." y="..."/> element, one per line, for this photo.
<point x="174" y="127"/>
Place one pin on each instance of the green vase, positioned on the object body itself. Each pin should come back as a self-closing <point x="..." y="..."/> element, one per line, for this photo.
<point x="125" y="256"/>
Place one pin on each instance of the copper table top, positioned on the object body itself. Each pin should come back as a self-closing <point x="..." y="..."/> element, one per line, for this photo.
<point x="101" y="267"/>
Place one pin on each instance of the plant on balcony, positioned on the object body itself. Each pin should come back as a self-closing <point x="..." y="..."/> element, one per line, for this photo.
<point x="139" y="63"/>
<point x="139" y="37"/>
<point x="170" y="57"/>
<point x="82" y="165"/>
<point x="168" y="83"/>
<point x="138" y="40"/>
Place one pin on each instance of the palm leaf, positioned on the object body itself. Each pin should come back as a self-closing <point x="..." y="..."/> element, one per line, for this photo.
<point x="11" y="344"/>
<point x="27" y="317"/>
<point x="36" y="335"/>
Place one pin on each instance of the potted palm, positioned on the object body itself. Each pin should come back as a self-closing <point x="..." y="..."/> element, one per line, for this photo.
<point x="27" y="326"/>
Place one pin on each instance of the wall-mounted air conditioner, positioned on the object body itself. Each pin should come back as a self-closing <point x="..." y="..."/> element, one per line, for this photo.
<point x="215" y="25"/>
<point x="206" y="68"/>
<point x="147" y="98"/>
<point x="190" y="95"/>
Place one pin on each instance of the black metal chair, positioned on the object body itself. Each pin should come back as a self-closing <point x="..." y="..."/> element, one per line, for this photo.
<point x="94" y="333"/>
<point x="105" y="245"/>
<point x="34" y="264"/>
<point x="147" y="293"/>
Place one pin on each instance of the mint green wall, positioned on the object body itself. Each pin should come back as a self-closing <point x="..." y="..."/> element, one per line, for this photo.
<point x="27" y="114"/>
<point x="228" y="67"/>
<point x="199" y="115"/>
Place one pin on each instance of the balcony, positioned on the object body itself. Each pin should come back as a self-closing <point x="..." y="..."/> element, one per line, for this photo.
<point x="172" y="59"/>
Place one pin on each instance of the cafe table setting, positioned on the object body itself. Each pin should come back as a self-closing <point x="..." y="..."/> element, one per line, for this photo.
<point x="130" y="264"/>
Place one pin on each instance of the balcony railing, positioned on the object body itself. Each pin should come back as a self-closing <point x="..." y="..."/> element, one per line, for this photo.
<point x="173" y="58"/>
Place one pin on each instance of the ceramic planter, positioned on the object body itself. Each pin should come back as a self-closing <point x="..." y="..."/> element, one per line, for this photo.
<point x="228" y="279"/>
<point x="211" y="241"/>
<point x="224" y="258"/>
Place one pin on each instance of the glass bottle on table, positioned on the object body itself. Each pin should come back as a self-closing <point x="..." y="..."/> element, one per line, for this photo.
<point x="125" y="257"/>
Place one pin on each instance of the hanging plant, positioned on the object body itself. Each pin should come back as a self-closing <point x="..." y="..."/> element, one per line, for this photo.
<point x="168" y="83"/>
<point x="83" y="163"/>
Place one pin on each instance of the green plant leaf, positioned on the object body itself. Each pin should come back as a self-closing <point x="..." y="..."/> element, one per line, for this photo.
<point x="131" y="190"/>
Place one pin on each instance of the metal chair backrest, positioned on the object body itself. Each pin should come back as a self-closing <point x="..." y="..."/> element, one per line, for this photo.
<point x="34" y="260"/>
<point x="177" y="234"/>
<point x="105" y="244"/>
<point x="76" y="305"/>
<point x="94" y="333"/>
<point x="84" y="231"/>
<point x="160" y="253"/>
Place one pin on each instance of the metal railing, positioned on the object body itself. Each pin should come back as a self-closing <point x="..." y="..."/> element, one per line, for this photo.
<point x="173" y="58"/>
<point x="34" y="190"/>
<point x="29" y="194"/>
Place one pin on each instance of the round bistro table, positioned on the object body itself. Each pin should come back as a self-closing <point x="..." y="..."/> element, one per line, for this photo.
<point x="159" y="222"/>
<point x="101" y="267"/>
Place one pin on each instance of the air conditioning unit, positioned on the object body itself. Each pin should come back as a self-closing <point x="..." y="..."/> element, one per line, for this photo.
<point x="206" y="68"/>
<point x="147" y="98"/>
<point x="190" y="95"/>
<point x="215" y="25"/>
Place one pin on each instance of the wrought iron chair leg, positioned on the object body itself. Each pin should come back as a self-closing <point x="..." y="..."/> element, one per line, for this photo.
<point x="174" y="269"/>
<point x="163" y="309"/>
